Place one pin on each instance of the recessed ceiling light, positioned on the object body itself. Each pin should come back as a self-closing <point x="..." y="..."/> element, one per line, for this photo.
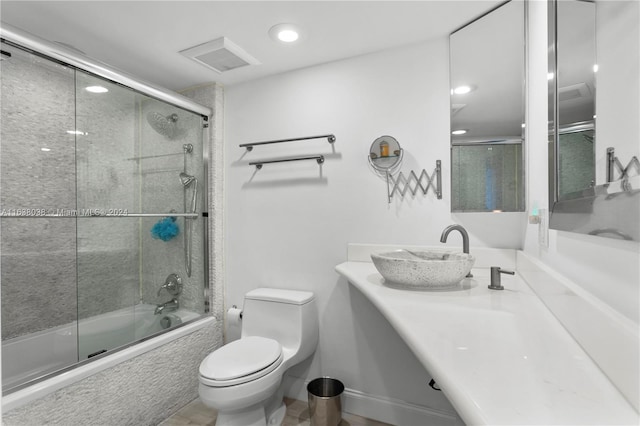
<point x="459" y="132"/>
<point x="285" y="33"/>
<point x="462" y="90"/>
<point x="45" y="149"/>
<point x="96" y="89"/>
<point x="595" y="68"/>
<point x="77" y="132"/>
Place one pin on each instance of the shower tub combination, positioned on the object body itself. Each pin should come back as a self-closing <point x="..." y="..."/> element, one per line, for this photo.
<point x="101" y="173"/>
<point x="27" y="357"/>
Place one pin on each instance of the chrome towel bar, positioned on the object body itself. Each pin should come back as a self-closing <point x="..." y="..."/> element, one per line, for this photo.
<point x="249" y="146"/>
<point x="258" y="164"/>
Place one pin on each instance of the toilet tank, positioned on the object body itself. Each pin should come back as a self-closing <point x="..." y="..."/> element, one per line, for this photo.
<point x="287" y="316"/>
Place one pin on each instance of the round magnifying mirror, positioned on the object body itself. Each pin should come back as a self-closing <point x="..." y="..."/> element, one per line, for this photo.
<point x="385" y="153"/>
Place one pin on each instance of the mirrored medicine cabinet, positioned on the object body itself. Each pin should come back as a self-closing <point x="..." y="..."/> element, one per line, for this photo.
<point x="487" y="112"/>
<point x="594" y="137"/>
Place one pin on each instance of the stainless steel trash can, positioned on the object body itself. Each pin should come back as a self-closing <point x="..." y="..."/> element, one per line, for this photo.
<point x="325" y="405"/>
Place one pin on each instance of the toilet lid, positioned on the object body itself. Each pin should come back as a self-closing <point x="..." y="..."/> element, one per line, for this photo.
<point x="240" y="358"/>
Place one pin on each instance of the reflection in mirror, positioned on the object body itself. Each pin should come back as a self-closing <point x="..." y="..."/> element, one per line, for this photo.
<point x="576" y="47"/>
<point x="576" y="155"/>
<point x="594" y="140"/>
<point x="385" y="154"/>
<point x="487" y="112"/>
<point x="484" y="176"/>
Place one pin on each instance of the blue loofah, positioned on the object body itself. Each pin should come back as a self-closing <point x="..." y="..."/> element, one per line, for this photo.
<point x="165" y="229"/>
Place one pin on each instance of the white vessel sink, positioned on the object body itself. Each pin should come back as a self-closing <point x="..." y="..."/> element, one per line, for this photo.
<point x="423" y="270"/>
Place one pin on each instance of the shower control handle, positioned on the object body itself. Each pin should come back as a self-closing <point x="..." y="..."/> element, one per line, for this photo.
<point x="173" y="285"/>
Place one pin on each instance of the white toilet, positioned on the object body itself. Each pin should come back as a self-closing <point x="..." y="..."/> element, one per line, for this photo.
<point x="242" y="379"/>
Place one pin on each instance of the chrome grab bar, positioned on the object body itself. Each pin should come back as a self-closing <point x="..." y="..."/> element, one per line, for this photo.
<point x="249" y="146"/>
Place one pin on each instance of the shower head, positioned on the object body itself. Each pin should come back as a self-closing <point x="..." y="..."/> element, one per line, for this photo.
<point x="186" y="179"/>
<point x="166" y="126"/>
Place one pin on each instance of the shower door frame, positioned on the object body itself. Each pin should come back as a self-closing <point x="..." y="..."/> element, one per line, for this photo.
<point x="40" y="46"/>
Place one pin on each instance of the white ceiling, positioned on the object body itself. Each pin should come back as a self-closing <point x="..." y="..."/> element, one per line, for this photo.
<point x="143" y="38"/>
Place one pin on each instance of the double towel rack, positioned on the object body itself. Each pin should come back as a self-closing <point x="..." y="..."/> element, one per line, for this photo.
<point x="258" y="164"/>
<point x="318" y="158"/>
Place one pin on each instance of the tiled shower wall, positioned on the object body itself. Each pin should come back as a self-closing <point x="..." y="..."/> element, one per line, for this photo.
<point x="162" y="191"/>
<point x="212" y="96"/>
<point x="38" y="255"/>
<point x="45" y="167"/>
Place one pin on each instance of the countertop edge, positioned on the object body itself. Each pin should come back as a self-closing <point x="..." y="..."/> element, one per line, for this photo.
<point x="364" y="277"/>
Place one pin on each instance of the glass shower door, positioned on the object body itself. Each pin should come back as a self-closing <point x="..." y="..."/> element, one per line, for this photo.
<point x="38" y="253"/>
<point x="108" y="249"/>
<point x="139" y="167"/>
<point x="102" y="194"/>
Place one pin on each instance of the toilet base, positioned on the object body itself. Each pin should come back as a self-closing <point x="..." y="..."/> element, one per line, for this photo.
<point x="269" y="412"/>
<point x="277" y="416"/>
<point x="276" y="410"/>
<point x="252" y="416"/>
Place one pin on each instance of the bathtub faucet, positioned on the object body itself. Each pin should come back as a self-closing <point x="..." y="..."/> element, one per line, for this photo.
<point x="170" y="306"/>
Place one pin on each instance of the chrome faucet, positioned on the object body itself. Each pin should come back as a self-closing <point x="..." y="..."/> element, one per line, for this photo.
<point x="173" y="286"/>
<point x="465" y="238"/>
<point x="170" y="306"/>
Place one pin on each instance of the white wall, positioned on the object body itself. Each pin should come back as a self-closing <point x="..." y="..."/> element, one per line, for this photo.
<point x="607" y="268"/>
<point x="288" y="224"/>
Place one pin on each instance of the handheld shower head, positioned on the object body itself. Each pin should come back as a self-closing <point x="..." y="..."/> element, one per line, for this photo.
<point x="166" y="126"/>
<point x="186" y="179"/>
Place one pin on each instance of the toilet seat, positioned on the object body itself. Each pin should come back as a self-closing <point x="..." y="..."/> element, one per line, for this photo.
<point x="241" y="361"/>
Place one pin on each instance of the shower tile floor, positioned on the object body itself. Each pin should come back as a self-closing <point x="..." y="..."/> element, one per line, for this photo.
<point x="197" y="414"/>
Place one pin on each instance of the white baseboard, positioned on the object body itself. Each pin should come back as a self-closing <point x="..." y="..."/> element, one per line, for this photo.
<point x="382" y="409"/>
<point x="393" y="411"/>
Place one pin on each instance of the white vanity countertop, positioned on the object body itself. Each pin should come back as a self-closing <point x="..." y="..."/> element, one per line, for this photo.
<point x="500" y="357"/>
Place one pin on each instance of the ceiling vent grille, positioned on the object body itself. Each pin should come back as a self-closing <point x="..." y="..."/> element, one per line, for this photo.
<point x="573" y="92"/>
<point x="220" y="55"/>
<point x="456" y="108"/>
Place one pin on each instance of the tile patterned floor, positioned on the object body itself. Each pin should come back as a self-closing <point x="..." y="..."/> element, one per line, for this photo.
<point x="197" y="414"/>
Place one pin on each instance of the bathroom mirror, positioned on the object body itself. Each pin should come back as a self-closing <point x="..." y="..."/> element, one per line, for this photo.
<point x="385" y="154"/>
<point x="487" y="112"/>
<point x="593" y="138"/>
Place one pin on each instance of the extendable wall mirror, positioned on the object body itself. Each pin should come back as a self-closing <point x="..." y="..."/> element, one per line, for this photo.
<point x="385" y="154"/>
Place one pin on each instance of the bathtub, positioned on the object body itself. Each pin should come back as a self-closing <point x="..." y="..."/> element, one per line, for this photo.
<point x="27" y="357"/>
